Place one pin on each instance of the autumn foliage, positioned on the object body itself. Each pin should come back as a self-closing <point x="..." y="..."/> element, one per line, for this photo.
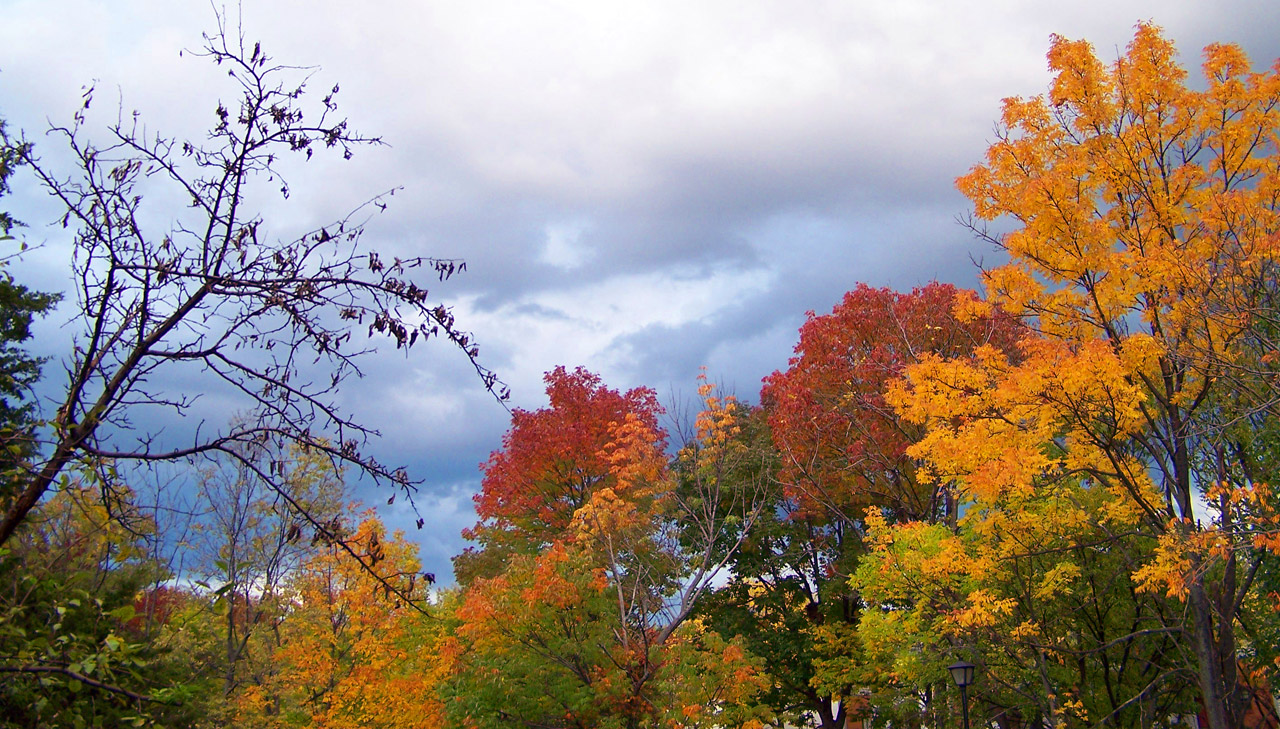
<point x="1067" y="479"/>
<point x="553" y="459"/>
<point x="354" y="651"/>
<point x="1146" y="226"/>
<point x="843" y="445"/>
<point x="552" y="462"/>
<point x="605" y="549"/>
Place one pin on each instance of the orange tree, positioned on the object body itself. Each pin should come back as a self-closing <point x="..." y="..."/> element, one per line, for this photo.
<point x="355" y="646"/>
<point x="1145" y="223"/>
<point x="603" y="554"/>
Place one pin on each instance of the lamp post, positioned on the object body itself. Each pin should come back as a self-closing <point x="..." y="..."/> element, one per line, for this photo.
<point x="962" y="674"/>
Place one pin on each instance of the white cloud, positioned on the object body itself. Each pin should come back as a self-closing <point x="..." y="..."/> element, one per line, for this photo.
<point x="587" y="324"/>
<point x="564" y="248"/>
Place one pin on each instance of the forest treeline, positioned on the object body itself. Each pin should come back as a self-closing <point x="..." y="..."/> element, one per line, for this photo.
<point x="1066" y="480"/>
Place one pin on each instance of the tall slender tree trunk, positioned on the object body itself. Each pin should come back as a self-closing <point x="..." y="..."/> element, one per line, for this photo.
<point x="229" y="674"/>
<point x="1209" y="656"/>
<point x="831" y="717"/>
<point x="1212" y="652"/>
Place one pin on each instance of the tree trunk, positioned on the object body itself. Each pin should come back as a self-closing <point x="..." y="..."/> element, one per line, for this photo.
<point x="832" y="718"/>
<point x="229" y="674"/>
<point x="1208" y="657"/>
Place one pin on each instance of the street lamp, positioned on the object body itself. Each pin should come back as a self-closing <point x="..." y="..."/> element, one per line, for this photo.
<point x="962" y="674"/>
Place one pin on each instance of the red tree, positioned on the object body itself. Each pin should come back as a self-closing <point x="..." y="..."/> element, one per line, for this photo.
<point x="843" y="447"/>
<point x="551" y="461"/>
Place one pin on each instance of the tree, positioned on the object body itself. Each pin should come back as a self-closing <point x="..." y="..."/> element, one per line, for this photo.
<point x="219" y="296"/>
<point x="352" y="652"/>
<point x="604" y="553"/>
<point x="1146" y="218"/>
<point x="71" y="650"/>
<point x="551" y="461"/>
<point x="10" y="158"/>
<point x="771" y="600"/>
<point x="724" y="490"/>
<point x="543" y="645"/>
<point x="18" y="369"/>
<point x="18" y="308"/>
<point x="252" y="540"/>
<point x="843" y="450"/>
<point x="1061" y="628"/>
<point x="843" y="447"/>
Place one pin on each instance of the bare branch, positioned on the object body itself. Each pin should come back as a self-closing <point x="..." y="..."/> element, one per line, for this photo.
<point x="216" y="297"/>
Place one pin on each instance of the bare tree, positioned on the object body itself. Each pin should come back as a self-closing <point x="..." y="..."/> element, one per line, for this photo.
<point x="217" y="298"/>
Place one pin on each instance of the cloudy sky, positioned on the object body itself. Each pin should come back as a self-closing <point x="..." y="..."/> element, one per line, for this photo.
<point x="641" y="188"/>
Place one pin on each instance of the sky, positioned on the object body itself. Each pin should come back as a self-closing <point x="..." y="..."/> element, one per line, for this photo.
<point x="639" y="188"/>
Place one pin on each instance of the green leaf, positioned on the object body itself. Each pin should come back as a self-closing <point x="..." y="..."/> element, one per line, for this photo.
<point x="123" y="613"/>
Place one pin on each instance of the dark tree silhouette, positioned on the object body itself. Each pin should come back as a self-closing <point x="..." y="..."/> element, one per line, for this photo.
<point x="216" y="298"/>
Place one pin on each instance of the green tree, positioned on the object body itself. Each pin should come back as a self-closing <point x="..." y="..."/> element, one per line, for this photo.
<point x="1061" y="628"/>
<point x="18" y="369"/>
<point x="782" y="588"/>
<point x="72" y="651"/>
<point x="543" y="644"/>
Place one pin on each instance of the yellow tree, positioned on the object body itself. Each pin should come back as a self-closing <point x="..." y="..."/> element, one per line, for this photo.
<point x="1146" y="224"/>
<point x="356" y="649"/>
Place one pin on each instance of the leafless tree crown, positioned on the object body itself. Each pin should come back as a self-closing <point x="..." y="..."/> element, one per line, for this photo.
<point x="215" y="298"/>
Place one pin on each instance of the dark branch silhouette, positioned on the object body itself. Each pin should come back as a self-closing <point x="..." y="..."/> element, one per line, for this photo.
<point x="215" y="297"/>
